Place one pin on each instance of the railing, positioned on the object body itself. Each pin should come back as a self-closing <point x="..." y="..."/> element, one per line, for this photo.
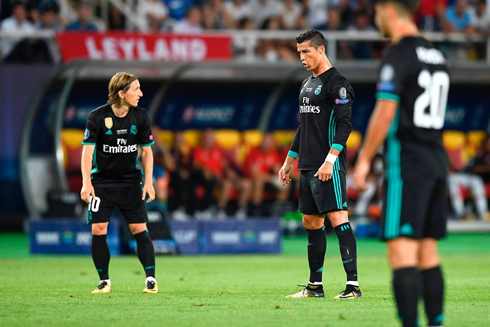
<point x="252" y="38"/>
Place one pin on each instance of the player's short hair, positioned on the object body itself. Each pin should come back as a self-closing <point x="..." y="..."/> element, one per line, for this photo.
<point x="119" y="82"/>
<point x="315" y="37"/>
<point x="410" y="6"/>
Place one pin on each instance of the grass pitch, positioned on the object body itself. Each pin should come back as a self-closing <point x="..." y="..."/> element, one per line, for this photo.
<point x="245" y="290"/>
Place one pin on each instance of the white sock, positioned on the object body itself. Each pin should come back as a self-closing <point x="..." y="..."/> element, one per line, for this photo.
<point x="108" y="281"/>
<point x="151" y="279"/>
<point x="353" y="283"/>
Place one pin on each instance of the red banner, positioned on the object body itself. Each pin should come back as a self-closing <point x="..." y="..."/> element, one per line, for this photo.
<point x="143" y="47"/>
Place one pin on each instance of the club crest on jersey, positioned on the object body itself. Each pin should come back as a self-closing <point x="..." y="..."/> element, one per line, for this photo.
<point x="343" y="93"/>
<point x="108" y="122"/>
<point x="318" y="89"/>
<point x="133" y="130"/>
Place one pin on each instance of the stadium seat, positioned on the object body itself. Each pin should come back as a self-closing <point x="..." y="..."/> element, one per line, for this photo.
<point x="71" y="141"/>
<point x="192" y="137"/>
<point x="454" y="143"/>
<point x="475" y="142"/>
<point x="253" y="137"/>
<point x="228" y="138"/>
<point x="353" y="145"/>
<point x="166" y="137"/>
<point x="284" y="138"/>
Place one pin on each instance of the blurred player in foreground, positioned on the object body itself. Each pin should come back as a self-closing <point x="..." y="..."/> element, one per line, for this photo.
<point x="411" y="103"/>
<point x="111" y="176"/>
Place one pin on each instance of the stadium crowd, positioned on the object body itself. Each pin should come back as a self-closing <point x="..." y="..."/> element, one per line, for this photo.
<point x="195" y="16"/>
<point x="223" y="174"/>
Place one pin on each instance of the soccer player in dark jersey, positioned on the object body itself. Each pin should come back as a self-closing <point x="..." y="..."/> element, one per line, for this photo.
<point x="411" y="102"/>
<point x="111" y="176"/>
<point x="325" y="102"/>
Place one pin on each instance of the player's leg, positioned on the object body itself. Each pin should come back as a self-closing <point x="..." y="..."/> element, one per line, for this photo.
<point x="313" y="222"/>
<point x="99" y="213"/>
<point x="402" y="256"/>
<point x="133" y="209"/>
<point x="428" y="257"/>
<point x="432" y="281"/>
<point x="348" y="252"/>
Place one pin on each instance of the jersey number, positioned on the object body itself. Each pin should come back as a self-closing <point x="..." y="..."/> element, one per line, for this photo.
<point x="436" y="89"/>
<point x="94" y="204"/>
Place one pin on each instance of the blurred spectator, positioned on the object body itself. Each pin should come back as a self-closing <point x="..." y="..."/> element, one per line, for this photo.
<point x="276" y="50"/>
<point x="291" y="10"/>
<point x="346" y="12"/>
<point x="239" y="10"/>
<point x="117" y="21"/>
<point x="458" y="17"/>
<point x="431" y="16"/>
<point x="366" y="8"/>
<point x="16" y="23"/>
<point x="240" y="44"/>
<point x="264" y="10"/>
<point x="480" y="17"/>
<point x="361" y="50"/>
<point x="153" y="12"/>
<point x="334" y="25"/>
<point x="178" y="8"/>
<point x="48" y="20"/>
<point x="481" y="166"/>
<point x="84" y="23"/>
<point x="161" y="181"/>
<point x="317" y="14"/>
<point x="38" y="6"/>
<point x="192" y="23"/>
<point x="216" y="16"/>
<point x="262" y="165"/>
<point x="459" y="180"/>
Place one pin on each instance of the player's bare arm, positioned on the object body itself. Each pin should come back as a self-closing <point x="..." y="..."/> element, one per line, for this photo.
<point x="87" y="187"/>
<point x="378" y="127"/>
<point x="147" y="160"/>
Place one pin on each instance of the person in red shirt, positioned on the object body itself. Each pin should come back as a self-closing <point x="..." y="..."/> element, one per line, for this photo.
<point x="261" y="166"/>
<point x="431" y="16"/>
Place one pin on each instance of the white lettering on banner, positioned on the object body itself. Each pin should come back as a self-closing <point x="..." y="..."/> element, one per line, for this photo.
<point x="83" y="238"/>
<point x="93" y="52"/>
<point x="268" y="237"/>
<point x="48" y="238"/>
<point x="225" y="237"/>
<point x="112" y="48"/>
<point x="127" y="47"/>
<point x="185" y="236"/>
<point x="216" y="114"/>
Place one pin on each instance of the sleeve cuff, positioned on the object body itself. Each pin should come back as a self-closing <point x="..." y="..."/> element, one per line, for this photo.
<point x="88" y="143"/>
<point x="153" y="142"/>
<point x="387" y="96"/>
<point x="337" y="146"/>
<point x="293" y="154"/>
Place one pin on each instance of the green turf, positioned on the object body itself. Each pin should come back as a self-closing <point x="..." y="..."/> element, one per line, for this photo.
<point x="227" y="290"/>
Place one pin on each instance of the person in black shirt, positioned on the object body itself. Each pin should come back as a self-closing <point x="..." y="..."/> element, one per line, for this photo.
<point x="411" y="103"/>
<point x="325" y="103"/>
<point x="111" y="176"/>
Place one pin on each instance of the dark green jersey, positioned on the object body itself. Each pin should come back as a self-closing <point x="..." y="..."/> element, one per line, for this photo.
<point x="325" y="105"/>
<point x="116" y="143"/>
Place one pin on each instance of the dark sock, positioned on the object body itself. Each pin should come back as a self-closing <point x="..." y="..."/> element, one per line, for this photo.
<point x="317" y="246"/>
<point x="146" y="252"/>
<point x="433" y="290"/>
<point x="348" y="251"/>
<point x="406" y="286"/>
<point x="101" y="255"/>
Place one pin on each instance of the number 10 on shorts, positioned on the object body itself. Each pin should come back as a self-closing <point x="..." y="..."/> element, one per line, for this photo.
<point x="94" y="204"/>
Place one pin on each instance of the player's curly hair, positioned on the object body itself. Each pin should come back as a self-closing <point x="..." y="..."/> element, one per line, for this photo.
<point x="410" y="6"/>
<point x="315" y="37"/>
<point x="119" y="82"/>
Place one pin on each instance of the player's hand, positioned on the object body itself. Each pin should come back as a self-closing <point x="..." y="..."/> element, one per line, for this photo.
<point x="148" y="189"/>
<point x="361" y="171"/>
<point x="284" y="178"/>
<point x="325" y="172"/>
<point x="87" y="192"/>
